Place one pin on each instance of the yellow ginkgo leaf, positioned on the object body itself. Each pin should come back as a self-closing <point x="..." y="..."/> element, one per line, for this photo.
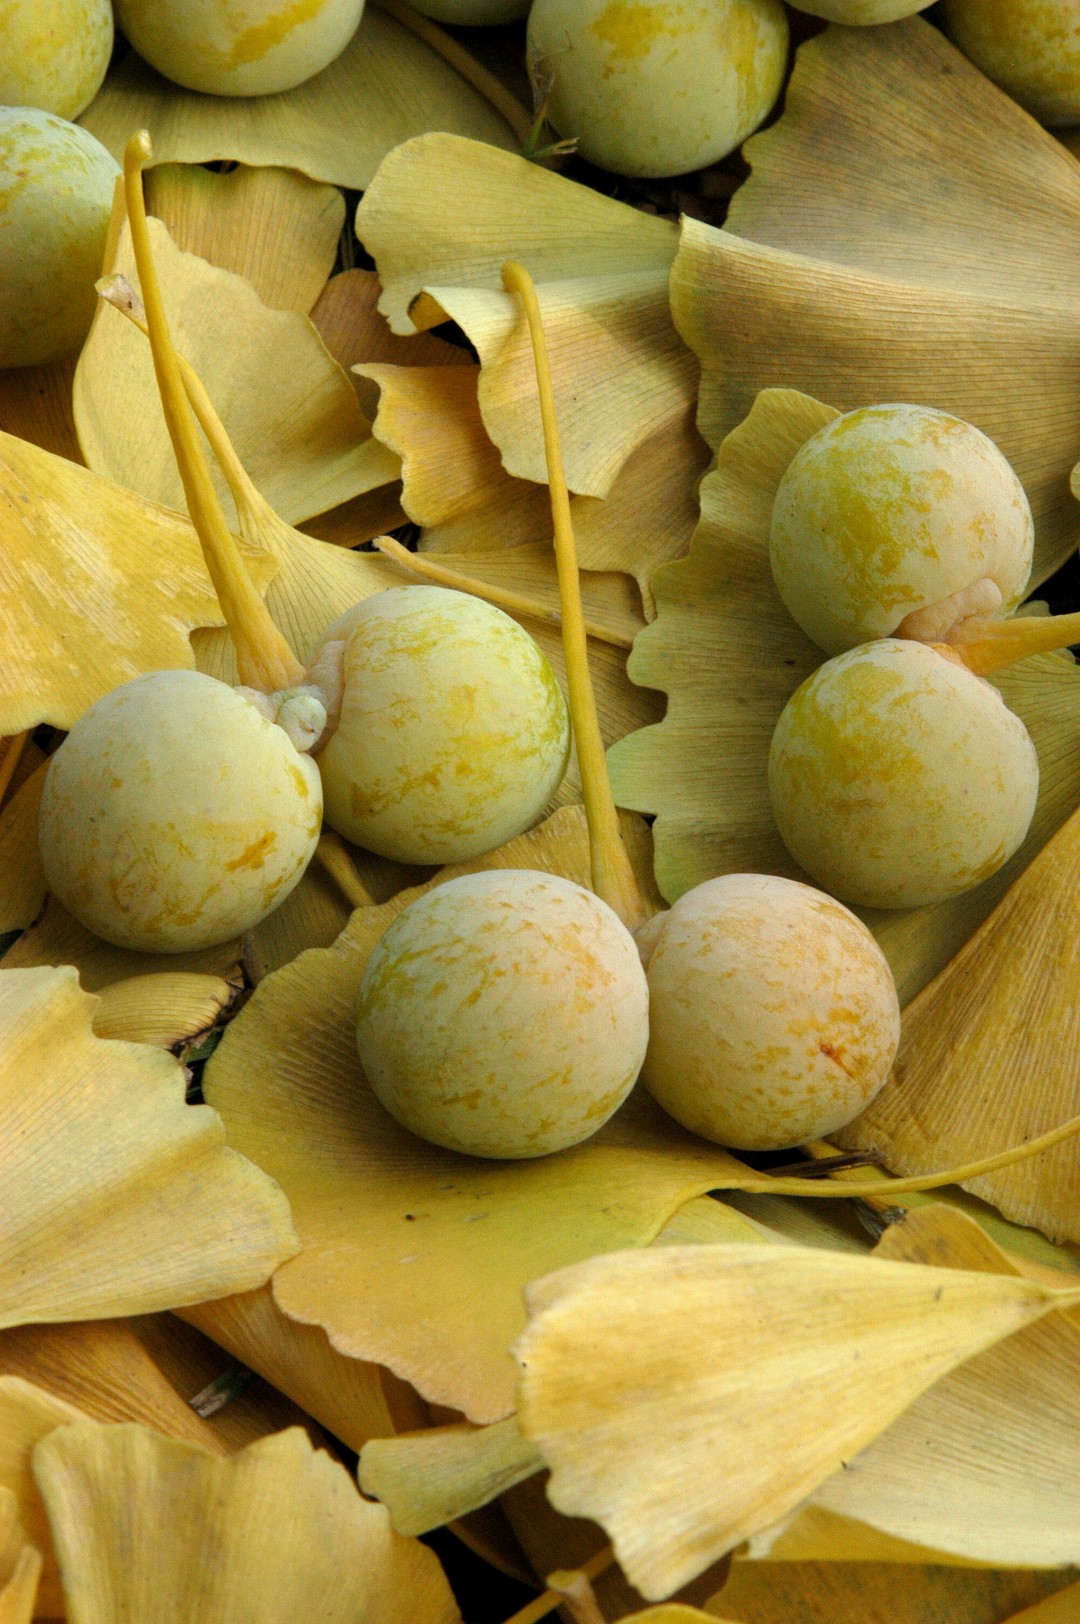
<point x="96" y="586"/>
<point x="441" y="217"/>
<point x="171" y="1008"/>
<point x="20" y="1577"/>
<point x="35" y="404"/>
<point x="101" y="1369"/>
<point x="386" y="86"/>
<point x="354" y="1400"/>
<point x="414" y="1257"/>
<point x="1002" y="1011"/>
<point x="28" y="1414"/>
<point x="288" y="406"/>
<point x="688" y="1398"/>
<point x="274" y="227"/>
<point x="118" y="1197"/>
<point x="58" y="938"/>
<point x="878" y="1593"/>
<point x="426" y="1479"/>
<point x="290" y="1536"/>
<point x="985" y="1466"/>
<point x="347" y="317"/>
<point x="729" y="656"/>
<point x="933" y="263"/>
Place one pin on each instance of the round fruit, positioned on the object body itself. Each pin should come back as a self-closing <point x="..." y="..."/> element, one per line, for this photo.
<point x="649" y="88"/>
<point x="892" y="510"/>
<point x="773" y="1015"/>
<point x="1031" y="48"/>
<point x="54" y="53"/>
<point x="473" y="13"/>
<point x="898" y="777"/>
<point x="56" y="193"/>
<point x="239" y="47"/>
<point x="504" y="1014"/>
<point x="175" y="816"/>
<point x="453" y="733"/>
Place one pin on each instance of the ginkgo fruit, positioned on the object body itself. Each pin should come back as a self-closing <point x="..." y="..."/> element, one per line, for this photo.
<point x="898" y="777"/>
<point x="178" y="812"/>
<point x="239" y="48"/>
<point x="1031" y="48"/>
<point x="773" y="1015"/>
<point x="56" y="193"/>
<point x="55" y="53"/>
<point x="898" y="520"/>
<point x="450" y="733"/>
<point x="656" y="89"/>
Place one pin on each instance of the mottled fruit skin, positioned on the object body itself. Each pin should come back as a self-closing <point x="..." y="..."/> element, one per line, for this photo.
<point x="53" y="53"/>
<point x="889" y="509"/>
<point x="649" y="87"/>
<point x="473" y="13"/>
<point x="453" y="733"/>
<point x="56" y="192"/>
<point x="175" y="816"/>
<point x="1031" y="48"/>
<point x="899" y="778"/>
<point x="504" y="1014"/>
<point x="773" y="1013"/>
<point x="239" y="47"/>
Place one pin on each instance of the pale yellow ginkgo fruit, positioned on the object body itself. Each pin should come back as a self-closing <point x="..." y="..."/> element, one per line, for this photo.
<point x="931" y="264"/>
<point x="99" y="1154"/>
<point x="729" y="656"/>
<point x="277" y="1533"/>
<point x="621" y="373"/>
<point x="787" y="1361"/>
<point x="385" y="87"/>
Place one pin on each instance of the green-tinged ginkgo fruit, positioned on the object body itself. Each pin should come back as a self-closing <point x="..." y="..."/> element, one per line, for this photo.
<point x="56" y="192"/>
<point x="504" y="1014"/>
<point x="898" y="777"/>
<point x="1031" y="48"/>
<point x="239" y="47"/>
<point x="651" y="88"/>
<point x="176" y="815"/>
<point x="452" y="734"/>
<point x="773" y="1015"/>
<point x="895" y="511"/>
<point x="53" y="53"/>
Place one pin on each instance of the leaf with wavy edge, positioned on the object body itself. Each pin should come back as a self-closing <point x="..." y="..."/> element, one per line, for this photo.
<point x="691" y="1397"/>
<point x="273" y="227"/>
<point x="907" y="233"/>
<point x="289" y="409"/>
<point x="273" y="1534"/>
<point x="28" y="1414"/>
<point x="988" y="1049"/>
<point x="441" y="217"/>
<point x="384" y="87"/>
<point x="58" y="939"/>
<point x="729" y="656"/>
<point x="168" y="1009"/>
<point x="414" y="1257"/>
<point x="118" y="1197"/>
<point x="985" y="1466"/>
<point x="97" y="585"/>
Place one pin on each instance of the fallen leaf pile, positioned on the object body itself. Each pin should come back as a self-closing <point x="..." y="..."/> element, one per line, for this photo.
<point x="265" y="1354"/>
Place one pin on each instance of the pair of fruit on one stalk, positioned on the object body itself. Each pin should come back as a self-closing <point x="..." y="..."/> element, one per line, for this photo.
<point x="505" y="1013"/>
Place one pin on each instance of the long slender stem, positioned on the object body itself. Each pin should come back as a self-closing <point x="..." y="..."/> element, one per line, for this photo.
<point x="493" y="90"/>
<point x="264" y="658"/>
<point x="518" y="603"/>
<point x="332" y="854"/>
<point x="843" y="1190"/>
<point x="987" y="645"/>
<point x="612" y="874"/>
<point x="533" y="1611"/>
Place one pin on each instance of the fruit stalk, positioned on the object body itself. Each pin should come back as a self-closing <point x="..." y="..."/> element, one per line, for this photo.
<point x="264" y="658"/>
<point x="613" y="877"/>
<point x="985" y="645"/>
